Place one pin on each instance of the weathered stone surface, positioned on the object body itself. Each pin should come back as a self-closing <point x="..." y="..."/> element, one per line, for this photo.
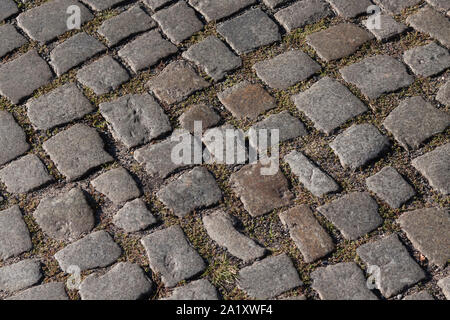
<point x="261" y="193"/>
<point x="389" y="27"/>
<point x="422" y="295"/>
<point x="12" y="138"/>
<point x="96" y="250"/>
<point x="342" y="281"/>
<point x="170" y="254"/>
<point x="329" y="104"/>
<point x="19" y="78"/>
<point x="14" y="234"/>
<point x="311" y="176"/>
<point x="60" y="106"/>
<point x="302" y="13"/>
<point x="213" y="56"/>
<point x="249" y="31"/>
<point x="306" y="232"/>
<point x="433" y="23"/>
<point x="397" y="269"/>
<point x="220" y="227"/>
<point x="338" y="41"/>
<point x="20" y="275"/>
<point x="225" y="145"/>
<point x="218" y="9"/>
<point x="246" y="100"/>
<point x="156" y="4"/>
<point x="350" y="8"/>
<point x="428" y="231"/>
<point x="146" y="50"/>
<point x="274" y="3"/>
<point x="435" y="166"/>
<point x="100" y="5"/>
<point x="443" y="95"/>
<point x="354" y="214"/>
<point x="203" y="113"/>
<point x="48" y="291"/>
<point x="391" y="187"/>
<point x="443" y="5"/>
<point x="414" y="121"/>
<point x="269" y="278"/>
<point x="176" y="83"/>
<point x="377" y="75"/>
<point x="444" y="284"/>
<point x="193" y="190"/>
<point x="428" y="60"/>
<point x="286" y="69"/>
<point x="358" y="145"/>
<point x="396" y="6"/>
<point x="126" y="281"/>
<point x="134" y="216"/>
<point x="196" y="290"/>
<point x="77" y="150"/>
<point x="24" y="175"/>
<point x="117" y="184"/>
<point x="10" y="39"/>
<point x="135" y="119"/>
<point x="7" y="9"/>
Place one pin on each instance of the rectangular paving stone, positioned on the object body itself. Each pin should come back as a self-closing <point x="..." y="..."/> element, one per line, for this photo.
<point x="431" y="22"/>
<point x="14" y="235"/>
<point x="134" y="216"/>
<point x="203" y="113"/>
<point x="7" y="9"/>
<point x="156" y="4"/>
<point x="428" y="60"/>
<point x="396" y="6"/>
<point x="199" y="290"/>
<point x="218" y="9"/>
<point x="12" y="138"/>
<point x="10" y="39"/>
<point x="350" y="8"/>
<point x="49" y="291"/>
<point x="20" y="275"/>
<point x="389" y="27"/>
<point x="100" y="5"/>
<point x="443" y="95"/>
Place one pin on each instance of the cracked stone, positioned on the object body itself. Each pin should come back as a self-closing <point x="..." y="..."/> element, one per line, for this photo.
<point x="208" y="117"/>
<point x="20" y="275"/>
<point x="389" y="27"/>
<point x="422" y="295"/>
<point x="10" y="39"/>
<point x="428" y="60"/>
<point x="431" y="22"/>
<point x="444" y="284"/>
<point x="14" y="235"/>
<point x="12" y="138"/>
<point x="7" y="9"/>
<point x="134" y="216"/>
<point x="396" y="6"/>
<point x="214" y="10"/>
<point x="443" y="95"/>
<point x="302" y="13"/>
<point x="100" y="5"/>
<point x="199" y="290"/>
<point x="49" y="291"/>
<point x="350" y="8"/>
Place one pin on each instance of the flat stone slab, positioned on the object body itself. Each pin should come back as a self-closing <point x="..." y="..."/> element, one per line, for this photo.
<point x="342" y="281"/>
<point x="7" y="9"/>
<point x="306" y="232"/>
<point x="443" y="95"/>
<point x="221" y="228"/>
<point x="358" y="145"/>
<point x="19" y="78"/>
<point x="214" y="10"/>
<point x="396" y="6"/>
<point x="213" y="56"/>
<point x="377" y="75"/>
<point x="146" y="50"/>
<point x="20" y="275"/>
<point x="397" y="269"/>
<point x="156" y="4"/>
<point x="14" y="235"/>
<point x="444" y="284"/>
<point x="287" y="69"/>
<point x="389" y="27"/>
<point x="66" y="216"/>
<point x="428" y="60"/>
<point x="249" y="31"/>
<point x="354" y="214"/>
<point x="329" y="104"/>
<point x="338" y="41"/>
<point x="193" y="190"/>
<point x="171" y="255"/>
<point x="96" y="250"/>
<point x="414" y="121"/>
<point x="269" y="278"/>
<point x="435" y="167"/>
<point x="117" y="185"/>
<point x="25" y="174"/>
<point x="176" y="83"/>
<point x="208" y="117"/>
<point x="427" y="229"/>
<point x="100" y="5"/>
<point x="125" y="281"/>
<point x="430" y="21"/>
<point x="10" y="39"/>
<point x="350" y="8"/>
<point x="310" y="176"/>
<point x="390" y="187"/>
<point x="421" y="296"/>
<point x="134" y="216"/>
<point x="49" y="291"/>
<point x="77" y="150"/>
<point x="199" y="290"/>
<point x="60" y="106"/>
<point x="12" y="138"/>
<point x="261" y="193"/>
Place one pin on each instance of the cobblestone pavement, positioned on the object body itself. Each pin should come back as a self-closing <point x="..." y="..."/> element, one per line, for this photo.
<point x="91" y="207"/>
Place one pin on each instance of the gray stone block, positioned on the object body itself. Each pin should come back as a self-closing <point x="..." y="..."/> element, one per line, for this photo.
<point x="199" y="290"/>
<point x="430" y="21"/>
<point x="428" y="60"/>
<point x="389" y="27"/>
<point x="14" y="235"/>
<point x="218" y="9"/>
<point x="396" y="6"/>
<point x="134" y="216"/>
<point x="350" y="8"/>
<point x="12" y="138"/>
<point x="443" y="95"/>
<point x="49" y="291"/>
<point x="7" y="9"/>
<point x="117" y="185"/>
<point x="302" y="13"/>
<point x="208" y="117"/>
<point x="100" y="5"/>
<point x="10" y="39"/>
<point x="20" y="275"/>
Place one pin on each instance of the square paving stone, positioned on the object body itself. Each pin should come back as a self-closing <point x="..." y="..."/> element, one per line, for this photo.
<point x="398" y="270"/>
<point x="443" y="5"/>
<point x="146" y="50"/>
<point x="178" y="22"/>
<point x="14" y="234"/>
<point x="134" y="216"/>
<point x="200" y="113"/>
<point x="193" y="190"/>
<point x="377" y="75"/>
<point x="396" y="6"/>
<point x="354" y="214"/>
<point x="49" y="291"/>
<point x="19" y="78"/>
<point x="261" y="193"/>
<point x="135" y="119"/>
<point x="247" y="100"/>
<point x="249" y="31"/>
<point x="20" y="275"/>
<point x="428" y="60"/>
<point x="350" y="8"/>
<point x="103" y="75"/>
<point x="77" y="150"/>
<point x="389" y="27"/>
<point x="62" y="105"/>
<point x="443" y="95"/>
<point x="358" y="145"/>
<point x="218" y="9"/>
<point x="329" y="104"/>
<point x="269" y="278"/>
<point x="12" y="138"/>
<point x="286" y="69"/>
<point x="172" y="256"/>
<point x="391" y="187"/>
<point x="214" y="57"/>
<point x="196" y="290"/>
<point x="25" y="174"/>
<point x="342" y="281"/>
<point x="49" y="20"/>
<point x="156" y="4"/>
<point x="435" y="166"/>
<point x="176" y="83"/>
<point x="414" y="121"/>
<point x="10" y="39"/>
<point x="7" y="9"/>
<point x="444" y="284"/>
<point x="430" y="21"/>
<point x="428" y="230"/>
<point x="338" y="41"/>
<point x="130" y="22"/>
<point x="100" y="5"/>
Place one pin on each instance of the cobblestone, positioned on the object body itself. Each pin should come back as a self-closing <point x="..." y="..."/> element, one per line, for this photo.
<point x="396" y="6"/>
<point x="14" y="235"/>
<point x="216" y="9"/>
<point x="430" y="21"/>
<point x="118" y="185"/>
<point x="156" y="4"/>
<point x="350" y="8"/>
<point x="7" y="9"/>
<point x="440" y="4"/>
<point x="100" y="5"/>
<point x="134" y="216"/>
<point x="12" y="138"/>
<point x="10" y="39"/>
<point x="196" y="290"/>
<point x="428" y="60"/>
<point x="208" y="117"/>
<point x="443" y="95"/>
<point x="389" y="27"/>
<point x="444" y="284"/>
<point x="48" y="291"/>
<point x="20" y="275"/>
